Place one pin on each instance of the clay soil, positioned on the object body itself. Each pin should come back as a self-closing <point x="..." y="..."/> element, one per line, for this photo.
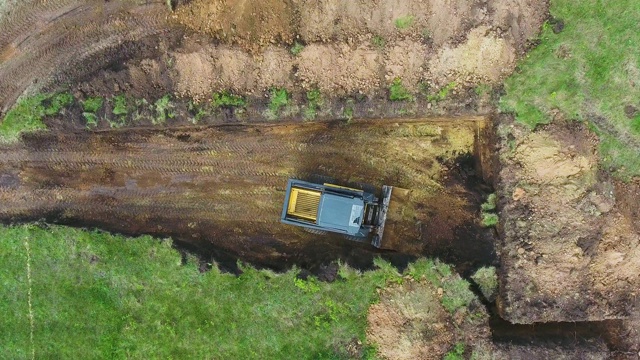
<point x="220" y="189"/>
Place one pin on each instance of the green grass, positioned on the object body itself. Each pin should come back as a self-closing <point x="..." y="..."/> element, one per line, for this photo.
<point x="442" y="93"/>
<point x="92" y="104"/>
<point x="296" y="48"/>
<point x="489" y="219"/>
<point x="379" y="42"/>
<point x="397" y="91"/>
<point x="314" y="101"/>
<point x="487" y="280"/>
<point x="54" y="104"/>
<point x="490" y="204"/>
<point x="120" y="107"/>
<point x="27" y="115"/>
<point x="278" y="98"/>
<point x="404" y="22"/>
<point x="228" y="100"/>
<point x="457" y="353"/>
<point x="589" y="71"/>
<point x="96" y="295"/>
<point x="164" y="110"/>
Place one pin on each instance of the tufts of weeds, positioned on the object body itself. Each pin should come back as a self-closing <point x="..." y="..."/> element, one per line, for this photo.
<point x="348" y="111"/>
<point x="278" y="98"/>
<point x="404" y="22"/>
<point x="90" y="107"/>
<point x="487" y="281"/>
<point x="225" y="99"/>
<point x="457" y="294"/>
<point x="488" y="208"/>
<point x="379" y="42"/>
<point x="198" y="111"/>
<point x="457" y="353"/>
<point x="490" y="204"/>
<point x="314" y="101"/>
<point x="55" y="104"/>
<point x="442" y="93"/>
<point x="27" y="114"/>
<point x="489" y="219"/>
<point x="92" y="104"/>
<point x="482" y="89"/>
<point x="296" y="49"/>
<point x="163" y="110"/>
<point x="397" y="91"/>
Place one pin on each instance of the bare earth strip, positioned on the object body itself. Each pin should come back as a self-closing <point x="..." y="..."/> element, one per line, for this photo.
<point x="222" y="188"/>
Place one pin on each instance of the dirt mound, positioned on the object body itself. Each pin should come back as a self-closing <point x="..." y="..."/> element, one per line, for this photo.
<point x="570" y="252"/>
<point x="252" y="24"/>
<point x="482" y="58"/>
<point x="409" y="323"/>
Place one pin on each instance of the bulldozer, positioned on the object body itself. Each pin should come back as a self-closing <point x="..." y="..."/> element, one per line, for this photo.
<point x="321" y="208"/>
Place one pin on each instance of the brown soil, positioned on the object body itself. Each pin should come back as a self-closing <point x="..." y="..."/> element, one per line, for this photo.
<point x="571" y="247"/>
<point x="251" y="24"/>
<point x="44" y="42"/>
<point x="410" y="323"/>
<point x="219" y="189"/>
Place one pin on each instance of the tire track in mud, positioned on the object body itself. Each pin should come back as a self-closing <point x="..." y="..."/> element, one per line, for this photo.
<point x="50" y="37"/>
<point x="222" y="188"/>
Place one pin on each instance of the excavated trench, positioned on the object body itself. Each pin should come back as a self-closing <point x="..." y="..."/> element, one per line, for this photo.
<point x="217" y="191"/>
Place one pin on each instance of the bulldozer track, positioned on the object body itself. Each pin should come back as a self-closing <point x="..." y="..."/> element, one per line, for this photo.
<point x="53" y="37"/>
<point x="204" y="185"/>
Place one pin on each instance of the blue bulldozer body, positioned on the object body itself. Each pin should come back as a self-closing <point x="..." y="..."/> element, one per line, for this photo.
<point x="357" y="214"/>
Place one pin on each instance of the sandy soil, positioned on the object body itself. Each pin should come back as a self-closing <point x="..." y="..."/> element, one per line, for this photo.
<point x="571" y="245"/>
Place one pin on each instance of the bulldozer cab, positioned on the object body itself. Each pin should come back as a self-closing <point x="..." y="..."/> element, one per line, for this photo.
<point x="357" y="214"/>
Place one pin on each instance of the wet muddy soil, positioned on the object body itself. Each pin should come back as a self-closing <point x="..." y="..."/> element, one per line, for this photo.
<point x="220" y="189"/>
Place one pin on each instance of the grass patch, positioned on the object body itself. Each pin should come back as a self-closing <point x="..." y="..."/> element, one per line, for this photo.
<point x="27" y="114"/>
<point x="227" y="100"/>
<point x="588" y="71"/>
<point x="404" y="22"/>
<point x="487" y="280"/>
<point x="457" y="353"/>
<point x="296" y="49"/>
<point x="489" y="219"/>
<point x="490" y="204"/>
<point x="379" y="42"/>
<point x="314" y="101"/>
<point x="397" y="91"/>
<point x="92" y="104"/>
<point x="442" y="93"/>
<point x="96" y="295"/>
<point x="278" y="98"/>
<point x="163" y="109"/>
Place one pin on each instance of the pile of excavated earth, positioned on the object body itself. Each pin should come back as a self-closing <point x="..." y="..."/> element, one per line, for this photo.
<point x="567" y="246"/>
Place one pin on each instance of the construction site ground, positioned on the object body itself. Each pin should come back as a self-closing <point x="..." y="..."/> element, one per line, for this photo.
<point x="220" y="189"/>
<point x="566" y="246"/>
